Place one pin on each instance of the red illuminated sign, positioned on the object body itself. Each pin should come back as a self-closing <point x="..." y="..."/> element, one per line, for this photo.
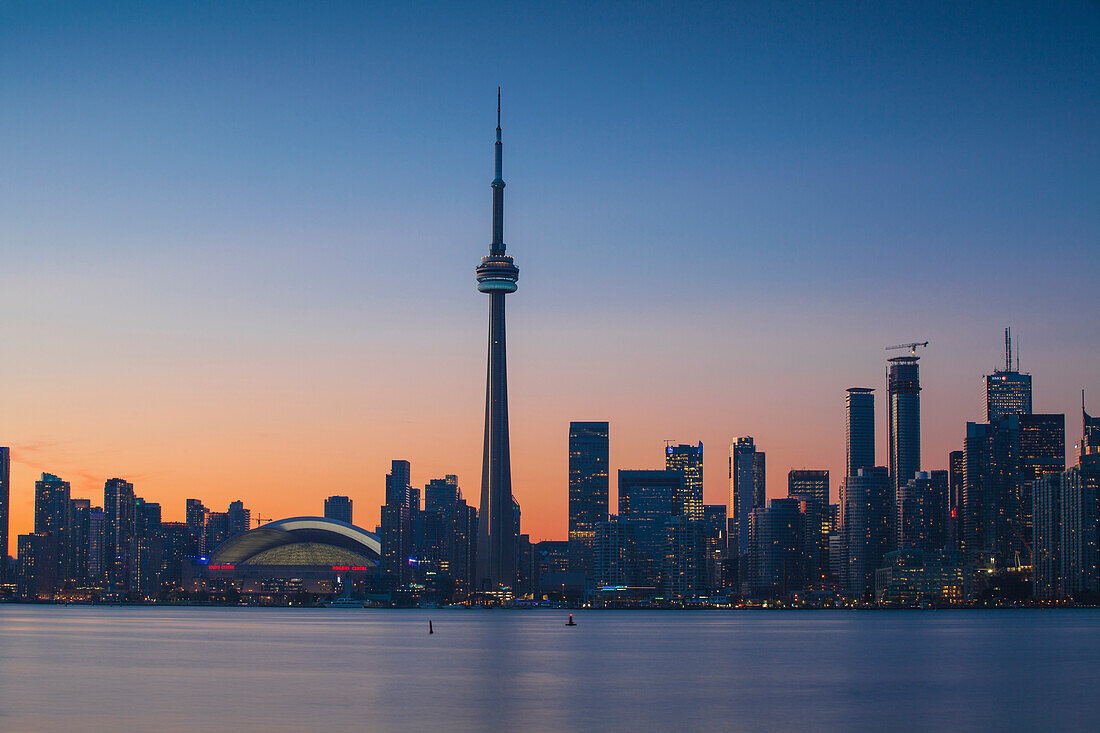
<point x="350" y="567"/>
<point x="221" y="567"/>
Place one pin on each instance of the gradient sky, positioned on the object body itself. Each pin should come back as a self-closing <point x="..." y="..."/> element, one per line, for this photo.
<point x="239" y="239"/>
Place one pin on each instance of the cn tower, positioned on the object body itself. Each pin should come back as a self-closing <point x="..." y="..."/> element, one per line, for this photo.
<point x="496" y="539"/>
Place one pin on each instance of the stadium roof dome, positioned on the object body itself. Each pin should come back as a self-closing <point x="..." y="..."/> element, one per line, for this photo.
<point x="304" y="541"/>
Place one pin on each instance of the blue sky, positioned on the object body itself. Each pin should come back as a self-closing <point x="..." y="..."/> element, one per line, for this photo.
<point x="722" y="212"/>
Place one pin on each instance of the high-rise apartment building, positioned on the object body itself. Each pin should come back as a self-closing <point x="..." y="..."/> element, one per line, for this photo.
<point x="240" y="519"/>
<point x="588" y="492"/>
<point x="196" y="523"/>
<point x="53" y="516"/>
<point x="121" y="532"/>
<point x="1079" y="559"/>
<point x="777" y="549"/>
<point x="397" y="524"/>
<point x="688" y="459"/>
<point x="915" y="513"/>
<point x="956" y="472"/>
<point x="747" y="489"/>
<point x="859" y="429"/>
<point x="903" y="385"/>
<point x="867" y="509"/>
<point x="80" y="513"/>
<point x="1046" y="502"/>
<point x="338" y="508"/>
<point x="97" y="543"/>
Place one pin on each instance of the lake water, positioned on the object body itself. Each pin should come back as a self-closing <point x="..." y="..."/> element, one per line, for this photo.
<point x="195" y="669"/>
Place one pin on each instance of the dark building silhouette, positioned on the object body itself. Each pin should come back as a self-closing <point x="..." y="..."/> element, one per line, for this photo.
<point x="903" y="385"/>
<point x="217" y="531"/>
<point x="497" y="276"/>
<point x="1046" y="502"/>
<point x="1090" y="432"/>
<point x="97" y="544"/>
<point x="450" y="533"/>
<point x="859" y="429"/>
<point x="240" y="519"/>
<point x="588" y="492"/>
<point x="777" y="550"/>
<point x="37" y="562"/>
<point x="688" y="460"/>
<point x="1001" y="462"/>
<point x="715" y="550"/>
<point x="747" y="489"/>
<point x="397" y="524"/>
<point x="1079" y="558"/>
<point x="867" y="511"/>
<point x="53" y="516"/>
<point x="80" y="513"/>
<point x="649" y="499"/>
<point x="5" y="509"/>
<point x="196" y="522"/>
<point x="956" y="473"/>
<point x="338" y="507"/>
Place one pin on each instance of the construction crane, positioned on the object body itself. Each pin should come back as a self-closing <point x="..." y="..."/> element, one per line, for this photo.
<point x="911" y="346"/>
<point x="259" y="520"/>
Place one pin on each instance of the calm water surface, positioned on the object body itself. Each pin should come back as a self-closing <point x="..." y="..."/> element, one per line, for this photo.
<point x="186" y="669"/>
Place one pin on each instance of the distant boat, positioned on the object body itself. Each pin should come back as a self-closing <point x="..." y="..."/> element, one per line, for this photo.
<point x="344" y="602"/>
<point x="570" y="622"/>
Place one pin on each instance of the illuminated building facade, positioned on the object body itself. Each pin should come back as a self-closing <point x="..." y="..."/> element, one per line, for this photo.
<point x="588" y="492"/>
<point x="911" y="577"/>
<point x="688" y="459"/>
<point x="1007" y="391"/>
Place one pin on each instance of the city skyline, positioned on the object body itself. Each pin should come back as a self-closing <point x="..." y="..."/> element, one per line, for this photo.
<point x="235" y="354"/>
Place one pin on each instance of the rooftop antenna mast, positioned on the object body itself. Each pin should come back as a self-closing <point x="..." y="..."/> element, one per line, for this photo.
<point x="1008" y="349"/>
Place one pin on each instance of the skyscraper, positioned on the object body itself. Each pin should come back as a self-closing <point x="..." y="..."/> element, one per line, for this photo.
<point x="196" y="523"/>
<point x="859" y="429"/>
<point x="903" y="384"/>
<point x="867" y="504"/>
<point x="1079" y="563"/>
<point x="397" y="523"/>
<point x="588" y="492"/>
<point x="497" y="276"/>
<point x="5" y="497"/>
<point x="118" y="505"/>
<point x="339" y="508"/>
<point x="240" y="519"/>
<point x="649" y="499"/>
<point x="53" y="516"/>
<point x="1002" y="460"/>
<point x="1007" y="391"/>
<point x="688" y="460"/>
<point x="747" y="488"/>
